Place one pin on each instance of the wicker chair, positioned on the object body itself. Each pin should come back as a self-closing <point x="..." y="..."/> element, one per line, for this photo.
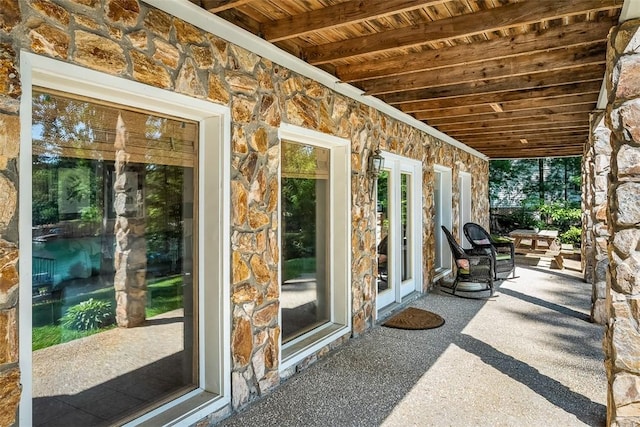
<point x="502" y="251"/>
<point x="475" y="270"/>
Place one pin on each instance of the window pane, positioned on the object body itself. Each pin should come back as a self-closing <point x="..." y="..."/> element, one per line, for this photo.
<point x="382" y="232"/>
<point x="305" y="292"/>
<point x="405" y="214"/>
<point x="437" y="194"/>
<point x="113" y="238"/>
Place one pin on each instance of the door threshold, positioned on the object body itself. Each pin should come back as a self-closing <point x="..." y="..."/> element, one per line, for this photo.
<point x="393" y="308"/>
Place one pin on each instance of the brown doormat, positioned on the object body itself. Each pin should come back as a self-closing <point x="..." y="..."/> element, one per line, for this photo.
<point x="414" y="318"/>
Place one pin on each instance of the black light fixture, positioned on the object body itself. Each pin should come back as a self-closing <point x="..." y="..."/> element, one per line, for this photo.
<point x="376" y="163"/>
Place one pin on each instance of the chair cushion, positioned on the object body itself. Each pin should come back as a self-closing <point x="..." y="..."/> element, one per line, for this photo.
<point x="503" y="257"/>
<point x="482" y="242"/>
<point x="463" y="264"/>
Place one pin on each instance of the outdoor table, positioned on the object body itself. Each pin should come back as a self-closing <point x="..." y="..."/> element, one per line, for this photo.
<point x="548" y="237"/>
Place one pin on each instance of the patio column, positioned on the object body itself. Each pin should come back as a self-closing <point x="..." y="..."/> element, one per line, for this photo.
<point x="586" y="245"/>
<point x="597" y="258"/>
<point x="622" y="337"/>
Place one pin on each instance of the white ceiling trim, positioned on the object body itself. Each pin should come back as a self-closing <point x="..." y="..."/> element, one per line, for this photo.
<point x="213" y="24"/>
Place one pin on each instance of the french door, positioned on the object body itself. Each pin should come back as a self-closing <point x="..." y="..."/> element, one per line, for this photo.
<point x="399" y="229"/>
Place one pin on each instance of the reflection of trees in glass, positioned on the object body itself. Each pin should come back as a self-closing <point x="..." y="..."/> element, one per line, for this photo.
<point x="59" y="121"/>
<point x="302" y="166"/>
<point x="298" y="217"/>
<point x="77" y="135"/>
<point x="164" y="186"/>
<point x="50" y="190"/>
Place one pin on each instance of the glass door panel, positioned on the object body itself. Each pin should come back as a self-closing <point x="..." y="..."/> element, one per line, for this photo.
<point x="386" y="295"/>
<point x="407" y="232"/>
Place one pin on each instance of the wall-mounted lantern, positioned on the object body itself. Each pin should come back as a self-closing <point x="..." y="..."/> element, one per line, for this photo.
<point x="376" y="163"/>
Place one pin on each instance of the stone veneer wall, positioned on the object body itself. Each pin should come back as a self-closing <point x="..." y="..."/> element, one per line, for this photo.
<point x="596" y="208"/>
<point x="622" y="338"/>
<point x="128" y="39"/>
<point x="586" y="244"/>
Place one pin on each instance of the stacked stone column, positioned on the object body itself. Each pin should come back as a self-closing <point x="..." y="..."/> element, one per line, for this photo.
<point x="622" y="337"/>
<point x="130" y="260"/>
<point x="586" y="246"/>
<point x="598" y="258"/>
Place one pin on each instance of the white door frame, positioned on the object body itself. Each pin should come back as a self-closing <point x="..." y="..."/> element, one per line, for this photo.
<point x="464" y="204"/>
<point x="443" y="214"/>
<point x="398" y="165"/>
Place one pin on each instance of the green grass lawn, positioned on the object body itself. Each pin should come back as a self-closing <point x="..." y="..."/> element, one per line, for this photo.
<point x="163" y="295"/>
<point x="294" y="268"/>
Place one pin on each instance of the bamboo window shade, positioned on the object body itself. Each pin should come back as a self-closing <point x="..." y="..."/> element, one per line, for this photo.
<point x="304" y="161"/>
<point x="86" y="128"/>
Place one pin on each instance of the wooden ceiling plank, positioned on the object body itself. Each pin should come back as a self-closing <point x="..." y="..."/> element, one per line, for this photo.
<point x="532" y="137"/>
<point x="472" y="112"/>
<point x="495" y="19"/>
<point x="496" y="118"/>
<point x="518" y="133"/>
<point x="507" y="124"/>
<point x="526" y="127"/>
<point x="570" y="151"/>
<point x="584" y="88"/>
<point x="506" y="145"/>
<point x="506" y="84"/>
<point x="215" y="6"/>
<point x="341" y="14"/>
<point x="564" y="59"/>
<point x="557" y="37"/>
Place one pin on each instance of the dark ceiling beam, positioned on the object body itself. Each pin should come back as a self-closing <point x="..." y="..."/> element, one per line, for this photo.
<point x="591" y="87"/>
<point x="338" y="15"/>
<point x="554" y="38"/>
<point x="495" y="19"/>
<point x="521" y="133"/>
<point x="528" y="127"/>
<point x="529" y="136"/>
<point x="503" y="145"/>
<point x="562" y="120"/>
<point x="495" y="118"/>
<point x="535" y="152"/>
<point x="504" y="84"/>
<point x="560" y="59"/>
<point x="510" y="109"/>
<point x="215" y="6"/>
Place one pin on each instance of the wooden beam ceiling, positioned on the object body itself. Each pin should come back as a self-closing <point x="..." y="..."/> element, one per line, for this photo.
<point x="496" y="19"/>
<point x="580" y="34"/>
<point x="338" y="15"/>
<point x="490" y="73"/>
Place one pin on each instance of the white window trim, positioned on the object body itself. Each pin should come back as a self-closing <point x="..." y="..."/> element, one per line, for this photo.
<point x="339" y="241"/>
<point x="465" y="204"/>
<point x="214" y="327"/>
<point x="446" y="198"/>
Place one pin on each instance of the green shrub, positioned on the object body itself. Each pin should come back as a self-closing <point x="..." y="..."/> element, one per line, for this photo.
<point x="89" y="314"/>
<point x="572" y="236"/>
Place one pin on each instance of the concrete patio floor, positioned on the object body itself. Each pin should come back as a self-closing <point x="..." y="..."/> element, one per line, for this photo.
<point x="528" y="357"/>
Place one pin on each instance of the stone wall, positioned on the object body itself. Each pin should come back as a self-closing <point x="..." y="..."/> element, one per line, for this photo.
<point x="586" y="245"/>
<point x="596" y="208"/>
<point x="622" y="338"/>
<point x="129" y="40"/>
